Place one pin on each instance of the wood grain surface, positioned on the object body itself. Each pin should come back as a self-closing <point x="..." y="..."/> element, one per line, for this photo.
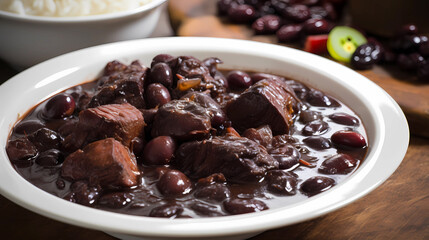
<point x="198" y="18"/>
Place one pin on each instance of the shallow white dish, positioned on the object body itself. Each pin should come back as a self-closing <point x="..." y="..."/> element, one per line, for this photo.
<point x="378" y="111"/>
<point x="27" y="40"/>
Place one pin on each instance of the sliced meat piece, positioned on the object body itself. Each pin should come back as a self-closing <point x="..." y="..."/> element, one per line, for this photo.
<point x="269" y="101"/>
<point x="183" y="120"/>
<point x="123" y="122"/>
<point x="105" y="162"/>
<point x="121" y="84"/>
<point x="238" y="159"/>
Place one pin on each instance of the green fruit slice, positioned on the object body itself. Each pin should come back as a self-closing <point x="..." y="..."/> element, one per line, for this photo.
<point x="343" y="41"/>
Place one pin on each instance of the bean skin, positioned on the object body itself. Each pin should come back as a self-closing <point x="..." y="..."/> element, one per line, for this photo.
<point x="348" y="139"/>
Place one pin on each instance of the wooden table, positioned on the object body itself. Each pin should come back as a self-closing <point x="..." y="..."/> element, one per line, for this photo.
<point x="398" y="209"/>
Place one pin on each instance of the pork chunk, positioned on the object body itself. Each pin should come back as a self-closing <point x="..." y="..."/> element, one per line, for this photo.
<point x="122" y="122"/>
<point x="121" y="84"/>
<point x="183" y="120"/>
<point x="270" y="101"/>
<point x="238" y="159"/>
<point x="106" y="163"/>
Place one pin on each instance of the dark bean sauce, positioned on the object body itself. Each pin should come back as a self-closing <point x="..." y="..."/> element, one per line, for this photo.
<point x="184" y="139"/>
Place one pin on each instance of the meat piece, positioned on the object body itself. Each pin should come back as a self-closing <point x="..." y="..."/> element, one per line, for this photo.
<point x="121" y="84"/>
<point x="262" y="135"/>
<point x="123" y="122"/>
<point x="105" y="162"/>
<point x="191" y="67"/>
<point x="269" y="101"/>
<point x="217" y="115"/>
<point x="20" y="149"/>
<point x="183" y="120"/>
<point x="238" y="159"/>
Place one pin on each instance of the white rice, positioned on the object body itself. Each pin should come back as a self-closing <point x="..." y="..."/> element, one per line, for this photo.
<point x="68" y="8"/>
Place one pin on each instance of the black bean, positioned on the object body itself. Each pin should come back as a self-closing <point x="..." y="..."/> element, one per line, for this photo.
<point x="307" y="116"/>
<point x="162" y="73"/>
<point x="166" y="211"/>
<point x="28" y="126"/>
<point x="289" y="33"/>
<point x="164" y="58"/>
<point x="287" y="156"/>
<point x="59" y="106"/>
<point x="50" y="157"/>
<point x="338" y="164"/>
<point x="317" y="26"/>
<point x="317" y="184"/>
<point x="45" y="139"/>
<point x="206" y="210"/>
<point x="281" y="182"/>
<point x="267" y="24"/>
<point x="296" y="13"/>
<point x="242" y="13"/>
<point x="318" y="142"/>
<point x="348" y="139"/>
<point x="344" y="119"/>
<point x="215" y="192"/>
<point x="157" y="95"/>
<point x="239" y="80"/>
<point x="319" y="99"/>
<point x="316" y="127"/>
<point x="240" y="206"/>
<point x="115" y="200"/>
<point x="159" y="150"/>
<point x="174" y="183"/>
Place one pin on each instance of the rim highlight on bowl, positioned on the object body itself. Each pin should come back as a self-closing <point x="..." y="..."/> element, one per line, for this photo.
<point x="378" y="111"/>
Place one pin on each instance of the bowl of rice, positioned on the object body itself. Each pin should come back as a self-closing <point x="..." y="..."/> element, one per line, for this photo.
<point x="33" y="31"/>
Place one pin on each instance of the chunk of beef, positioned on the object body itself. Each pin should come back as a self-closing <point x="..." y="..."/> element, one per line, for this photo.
<point x="262" y="135"/>
<point x="238" y="159"/>
<point x="121" y="84"/>
<point x="20" y="149"/>
<point x="189" y="68"/>
<point x="183" y="120"/>
<point x="105" y="162"/>
<point x="216" y="113"/>
<point x="270" y="101"/>
<point x="123" y="122"/>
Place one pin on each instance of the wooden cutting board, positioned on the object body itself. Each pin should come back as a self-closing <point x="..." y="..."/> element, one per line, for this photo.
<point x="198" y="18"/>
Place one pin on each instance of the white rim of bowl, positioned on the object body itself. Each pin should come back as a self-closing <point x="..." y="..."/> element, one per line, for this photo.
<point x="82" y="19"/>
<point x="367" y="177"/>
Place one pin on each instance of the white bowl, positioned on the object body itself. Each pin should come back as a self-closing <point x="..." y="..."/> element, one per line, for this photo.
<point x="387" y="132"/>
<point x="28" y="40"/>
